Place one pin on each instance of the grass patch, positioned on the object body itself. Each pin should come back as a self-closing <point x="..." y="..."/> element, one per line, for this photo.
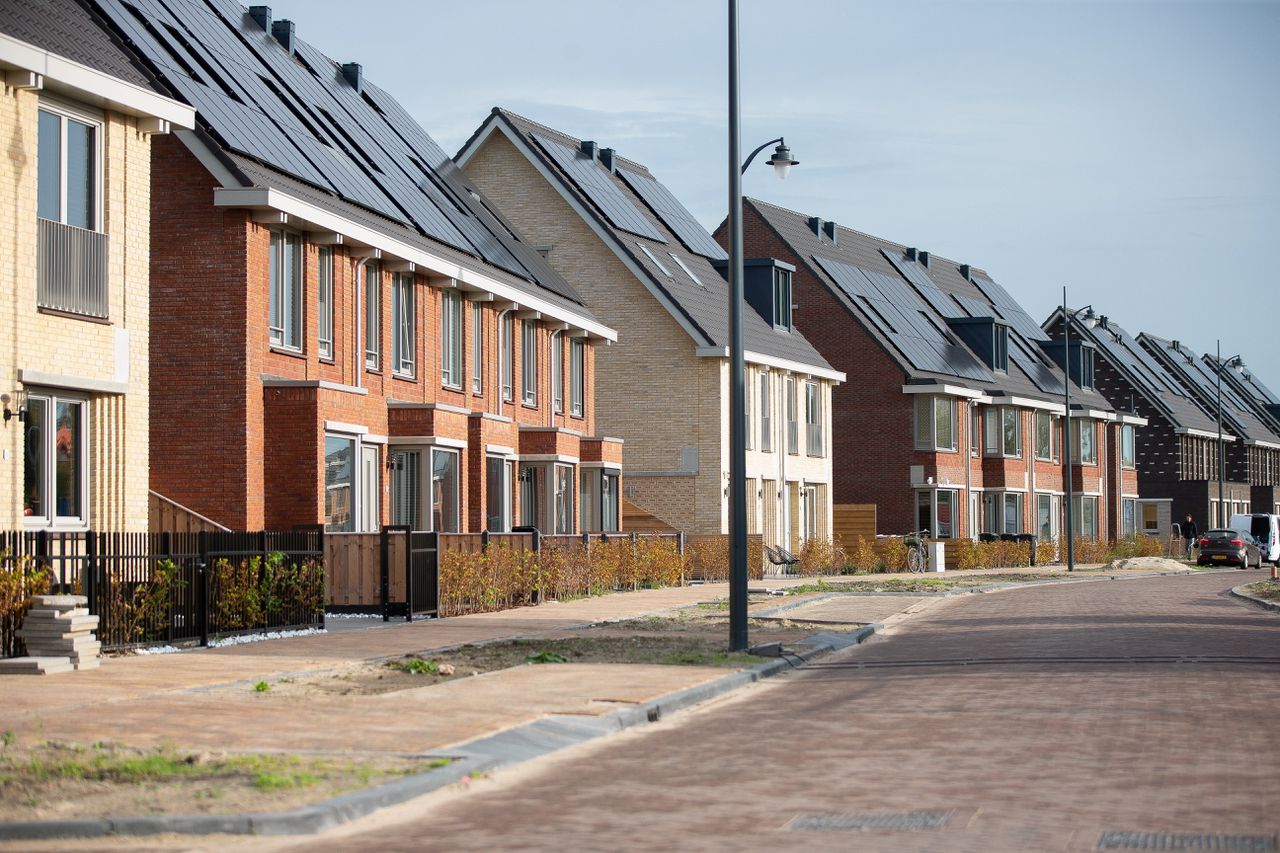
<point x="1268" y="590"/>
<point x="262" y="687"/>
<point x="416" y="666"/>
<point x="545" y="657"/>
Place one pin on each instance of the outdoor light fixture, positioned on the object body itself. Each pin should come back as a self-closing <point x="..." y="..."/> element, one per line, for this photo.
<point x="1236" y="363"/>
<point x="1091" y="320"/>
<point x="781" y="161"/>
<point x="10" y="414"/>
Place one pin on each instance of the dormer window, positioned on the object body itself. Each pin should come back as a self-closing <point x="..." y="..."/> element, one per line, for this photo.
<point x="1086" y="368"/>
<point x="1000" y="349"/>
<point x="987" y="337"/>
<point x="782" y="299"/>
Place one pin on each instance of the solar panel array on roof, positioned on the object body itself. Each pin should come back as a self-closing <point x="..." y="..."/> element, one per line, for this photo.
<point x="594" y="180"/>
<point x="1010" y="309"/>
<point x="900" y="315"/>
<point x="924" y="285"/>
<point x="1119" y="349"/>
<point x="974" y="306"/>
<point x="669" y="209"/>
<point x="1203" y="375"/>
<point x="1161" y="377"/>
<point x="298" y="114"/>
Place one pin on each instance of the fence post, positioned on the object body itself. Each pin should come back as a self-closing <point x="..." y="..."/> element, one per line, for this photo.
<point x="408" y="575"/>
<point x="166" y="552"/>
<point x="484" y="539"/>
<point x="433" y="575"/>
<point x="202" y="585"/>
<point x="42" y="554"/>
<point x="384" y="578"/>
<point x="90" y="576"/>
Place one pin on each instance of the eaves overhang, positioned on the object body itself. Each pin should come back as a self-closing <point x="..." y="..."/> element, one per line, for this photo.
<point x="1202" y="433"/>
<point x="800" y="367"/>
<point x="944" y="388"/>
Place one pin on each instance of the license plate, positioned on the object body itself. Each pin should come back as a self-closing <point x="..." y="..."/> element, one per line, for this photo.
<point x="1219" y="556"/>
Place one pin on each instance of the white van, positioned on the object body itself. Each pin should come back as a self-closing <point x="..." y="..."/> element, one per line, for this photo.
<point x="1265" y="528"/>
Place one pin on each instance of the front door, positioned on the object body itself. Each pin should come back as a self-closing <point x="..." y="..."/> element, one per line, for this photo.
<point x="370" y="488"/>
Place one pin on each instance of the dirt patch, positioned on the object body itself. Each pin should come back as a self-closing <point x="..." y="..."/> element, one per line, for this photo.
<point x="47" y="780"/>
<point x="1146" y="564"/>
<point x="1269" y="590"/>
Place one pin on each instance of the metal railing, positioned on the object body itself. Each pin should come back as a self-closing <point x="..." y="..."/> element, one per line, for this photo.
<point x="73" y="273"/>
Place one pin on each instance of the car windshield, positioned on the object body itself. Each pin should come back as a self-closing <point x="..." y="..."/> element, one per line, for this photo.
<point x="1222" y="534"/>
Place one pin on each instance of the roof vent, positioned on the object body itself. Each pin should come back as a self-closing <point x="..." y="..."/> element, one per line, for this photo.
<point x="815" y="225"/>
<point x="609" y="159"/>
<point x="590" y="148"/>
<point x="353" y="74"/>
<point x="924" y="259"/>
<point x="911" y="253"/>
<point x="831" y="230"/>
<point x="261" y="14"/>
<point x="964" y="271"/>
<point x="1176" y="345"/>
<point x="283" y="32"/>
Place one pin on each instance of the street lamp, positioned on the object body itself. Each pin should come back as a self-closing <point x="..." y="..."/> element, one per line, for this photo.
<point x="782" y="163"/>
<point x="1238" y="364"/>
<point x="1067" y="317"/>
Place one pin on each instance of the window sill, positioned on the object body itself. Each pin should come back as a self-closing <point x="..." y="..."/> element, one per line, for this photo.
<point x="403" y="377"/>
<point x="525" y="405"/>
<point x="455" y="388"/>
<point x="289" y="351"/>
<point x="56" y="527"/>
<point x="579" y="416"/>
<point x="327" y="359"/>
<point x="71" y="315"/>
<point x="375" y="370"/>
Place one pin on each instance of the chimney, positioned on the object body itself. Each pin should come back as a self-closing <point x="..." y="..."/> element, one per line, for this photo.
<point x="353" y="74"/>
<point x="1176" y="345"/>
<point x="283" y="31"/>
<point x="911" y="253"/>
<point x="831" y="230"/>
<point x="924" y="259"/>
<point x="964" y="271"/>
<point x="815" y="225"/>
<point x="261" y="14"/>
<point x="609" y="159"/>
<point x="591" y="149"/>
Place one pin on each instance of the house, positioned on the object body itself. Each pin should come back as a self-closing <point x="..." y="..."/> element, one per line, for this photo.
<point x="344" y="330"/>
<point x="645" y="264"/>
<point x="1176" y="450"/>
<point x="1265" y="406"/>
<point x="1253" y="458"/>
<point x="952" y="420"/>
<point x="77" y="124"/>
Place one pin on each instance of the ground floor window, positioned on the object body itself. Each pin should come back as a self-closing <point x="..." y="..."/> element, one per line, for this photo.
<point x="564" y="499"/>
<point x="1085" y="510"/>
<point x="55" y="460"/>
<point x="1128" y="517"/>
<point x="497" y="494"/>
<point x="1048" y="507"/>
<point x="445" y="491"/>
<point x="1002" y="512"/>
<point x="533" y="486"/>
<point x="935" y="512"/>
<point x="810" y="515"/>
<point x="598" y="500"/>
<point x="339" y="484"/>
<point x="406" y="501"/>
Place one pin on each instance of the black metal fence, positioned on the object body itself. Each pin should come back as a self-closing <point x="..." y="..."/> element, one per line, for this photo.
<point x="173" y="588"/>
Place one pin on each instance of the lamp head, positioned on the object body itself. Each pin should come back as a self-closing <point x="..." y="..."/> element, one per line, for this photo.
<point x="781" y="161"/>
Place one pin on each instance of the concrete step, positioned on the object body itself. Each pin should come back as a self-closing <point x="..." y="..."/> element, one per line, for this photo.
<point x="35" y="665"/>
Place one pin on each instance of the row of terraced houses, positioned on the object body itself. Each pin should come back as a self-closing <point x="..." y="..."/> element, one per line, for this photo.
<point x="242" y="281"/>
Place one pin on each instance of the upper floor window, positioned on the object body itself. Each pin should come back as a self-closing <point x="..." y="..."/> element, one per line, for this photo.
<point x="975" y="431"/>
<point x="1000" y="348"/>
<point x="748" y="428"/>
<point x="813" y="420"/>
<point x="793" y="415"/>
<point x="55" y="461"/>
<point x="577" y="376"/>
<point x="935" y="423"/>
<point x="1044" y="435"/>
<point x="557" y="373"/>
<point x="1003" y="431"/>
<point x="68" y="177"/>
<point x="1127" y="457"/>
<point x="1085" y="451"/>
<point x="477" y="348"/>
<point x="324" y="300"/>
<point x="528" y="363"/>
<point x="404" y="341"/>
<point x="782" y="299"/>
<point x="285" y="301"/>
<point x="766" y="422"/>
<point x="507" y="356"/>
<point x="372" y="316"/>
<point x="451" y="339"/>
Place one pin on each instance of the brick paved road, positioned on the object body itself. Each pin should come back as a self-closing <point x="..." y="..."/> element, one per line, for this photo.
<point x="1038" y="719"/>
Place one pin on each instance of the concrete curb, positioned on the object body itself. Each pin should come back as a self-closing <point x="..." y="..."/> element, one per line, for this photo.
<point x="504" y="749"/>
<point x="1267" y="604"/>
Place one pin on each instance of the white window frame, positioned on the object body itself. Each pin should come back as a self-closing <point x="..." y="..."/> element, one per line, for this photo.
<point x="1079" y="526"/>
<point x="562" y="491"/>
<point x="1128" y="517"/>
<point x="48" y="470"/>
<point x="766" y="414"/>
<point x="451" y="339"/>
<point x="507" y="355"/>
<point x="557" y="373"/>
<point x="404" y="324"/>
<point x="1128" y="446"/>
<point x="1082" y="428"/>
<point x="748" y="399"/>
<point x="431" y="489"/>
<point x="933" y="498"/>
<point x="358" y="497"/>
<point x="477" y="348"/>
<point x="324" y="303"/>
<point x="397" y="459"/>
<point x="782" y="299"/>
<point x="285" y="290"/>
<point x="577" y="377"/>
<point x="371" y="274"/>
<point x="1045" y="420"/>
<point x="504" y="487"/>
<point x="814" y="434"/>
<point x="528" y="363"/>
<point x="793" y="417"/>
<point x="1055" y="509"/>
<point x="65" y="112"/>
<point x="927" y="409"/>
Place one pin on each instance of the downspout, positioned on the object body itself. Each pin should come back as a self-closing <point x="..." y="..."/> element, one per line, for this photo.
<point x="1033" y="514"/>
<point x="1102" y="476"/>
<point x="359" y="343"/>
<point x="783" y="449"/>
<point x="968" y="469"/>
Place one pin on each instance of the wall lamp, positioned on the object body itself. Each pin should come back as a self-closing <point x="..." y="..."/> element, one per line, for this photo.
<point x="10" y="414"/>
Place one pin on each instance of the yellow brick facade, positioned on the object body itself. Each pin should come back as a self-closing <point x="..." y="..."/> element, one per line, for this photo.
<point x="652" y="389"/>
<point x="103" y="363"/>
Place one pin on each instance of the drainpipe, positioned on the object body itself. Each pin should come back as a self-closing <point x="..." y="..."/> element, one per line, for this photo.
<point x="1031" y="515"/>
<point x="359" y="336"/>
<point x="783" y="449"/>
<point x="968" y="469"/>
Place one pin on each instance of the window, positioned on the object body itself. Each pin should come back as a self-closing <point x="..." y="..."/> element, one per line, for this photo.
<point x="286" y="290"/>
<point x="975" y="432"/>
<point x="782" y="299"/>
<point x="339" y="484"/>
<point x="406" y="470"/>
<point x="372" y="315"/>
<point x="1012" y="512"/>
<point x="935" y="423"/>
<point x="1046" y="517"/>
<point x="532" y="492"/>
<point x="599" y="501"/>
<point x="991" y="431"/>
<point x="404" y="342"/>
<point x="813" y="419"/>
<point x="444" y="490"/>
<point x="766" y="423"/>
<point x="1000" y="348"/>
<point x="557" y="373"/>
<point x="564" y="499"/>
<point x="1086" y="516"/>
<point x="577" y="377"/>
<point x="1128" y="517"/>
<point x="1086" y="367"/>
<point x="1003" y="511"/>
<point x="55" y="461"/>
<point x="1085" y="453"/>
<point x="324" y="300"/>
<point x="657" y="263"/>
<point x="1044" y="436"/>
<point x="507" y="356"/>
<point x="451" y="339"/>
<point x="935" y="512"/>
<point x="1012" y="421"/>
<point x="528" y="363"/>
<point x="497" y="494"/>
<point x="748" y="427"/>
<point x="793" y="424"/>
<point x="477" y="348"/>
<point x="68" y="186"/>
<point x="1126" y="446"/>
<point x="686" y="269"/>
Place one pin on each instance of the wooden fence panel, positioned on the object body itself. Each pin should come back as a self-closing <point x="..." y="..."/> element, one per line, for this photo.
<point x="166" y="516"/>
<point x="849" y="521"/>
<point x="353" y="568"/>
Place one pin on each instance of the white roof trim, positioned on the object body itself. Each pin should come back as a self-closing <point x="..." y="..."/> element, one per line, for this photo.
<point x="1096" y="414"/>
<point x="1133" y="420"/>
<point x="951" y="390"/>
<point x="342" y="426"/>
<point x="427" y="441"/>
<point x="1028" y="403"/>
<point x="797" y="367"/>
<point x="323" y="220"/>
<point x="100" y="88"/>
<point x="1257" y="442"/>
<point x="1202" y="433"/>
<point x="548" y="457"/>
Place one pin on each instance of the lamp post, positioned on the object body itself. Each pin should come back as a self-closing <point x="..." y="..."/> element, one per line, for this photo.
<point x="1067" y="317"/>
<point x="782" y="162"/>
<point x="1235" y="362"/>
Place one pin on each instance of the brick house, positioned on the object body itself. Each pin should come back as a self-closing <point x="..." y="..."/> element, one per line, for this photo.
<point x="953" y="423"/>
<point x="647" y="266"/>
<point x="1176" y="450"/>
<point x="77" y="120"/>
<point x="344" y="331"/>
<point x="1265" y="405"/>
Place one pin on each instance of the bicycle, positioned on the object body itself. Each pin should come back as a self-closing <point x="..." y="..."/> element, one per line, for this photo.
<point x="917" y="556"/>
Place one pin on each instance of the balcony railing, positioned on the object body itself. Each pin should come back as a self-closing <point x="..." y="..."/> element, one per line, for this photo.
<point x="73" y="269"/>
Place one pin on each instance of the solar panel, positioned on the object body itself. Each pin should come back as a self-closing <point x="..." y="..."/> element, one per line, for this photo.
<point x="924" y="285"/>
<point x="974" y="306"/>
<point x="596" y="182"/>
<point x="1010" y="309"/>
<point x="899" y="313"/>
<point x="1045" y="377"/>
<point x="669" y="209"/>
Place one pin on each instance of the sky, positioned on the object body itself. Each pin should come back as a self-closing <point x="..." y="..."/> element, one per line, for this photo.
<point x="1126" y="150"/>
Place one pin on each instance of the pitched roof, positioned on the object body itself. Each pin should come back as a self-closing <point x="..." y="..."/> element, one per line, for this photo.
<point x="66" y="28"/>
<point x="1201" y="381"/>
<point x="904" y="305"/>
<point x="654" y="234"/>
<point x="1265" y="404"/>
<point x="291" y="119"/>
<point x="1127" y="357"/>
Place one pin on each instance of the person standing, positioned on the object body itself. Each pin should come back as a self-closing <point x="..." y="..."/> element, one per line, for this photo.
<point x="1189" y="533"/>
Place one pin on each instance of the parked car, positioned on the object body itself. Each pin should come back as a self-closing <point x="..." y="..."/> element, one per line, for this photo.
<point x="1226" y="545"/>
<point x="1266" y="529"/>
